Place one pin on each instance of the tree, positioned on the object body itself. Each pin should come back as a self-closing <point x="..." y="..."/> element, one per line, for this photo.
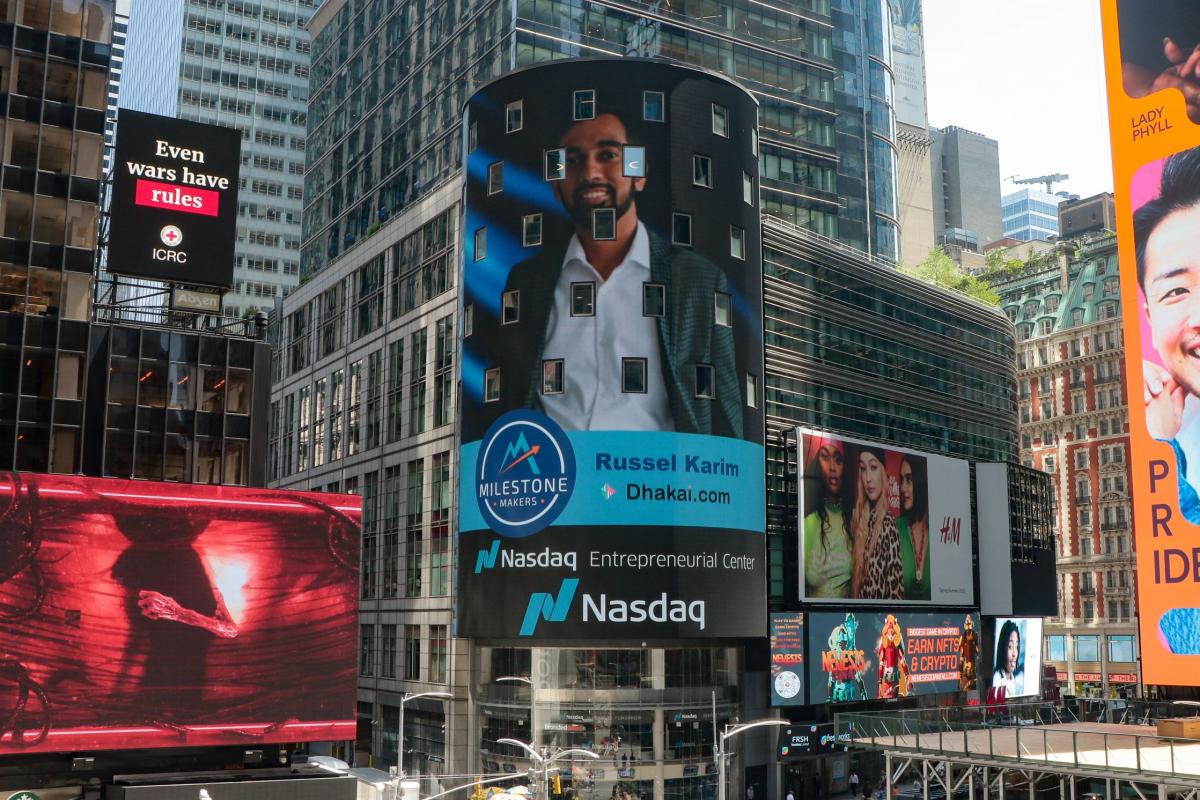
<point x="940" y="270"/>
<point x="996" y="262"/>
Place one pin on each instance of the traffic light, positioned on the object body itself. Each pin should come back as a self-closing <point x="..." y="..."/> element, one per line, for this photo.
<point x="558" y="785"/>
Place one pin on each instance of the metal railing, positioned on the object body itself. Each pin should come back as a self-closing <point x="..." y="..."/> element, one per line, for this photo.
<point x="1036" y="733"/>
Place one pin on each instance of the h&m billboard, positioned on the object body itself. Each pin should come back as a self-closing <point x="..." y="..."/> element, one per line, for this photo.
<point x="872" y="655"/>
<point x="612" y="425"/>
<point x="174" y="200"/>
<point x="882" y="523"/>
<point x="137" y="614"/>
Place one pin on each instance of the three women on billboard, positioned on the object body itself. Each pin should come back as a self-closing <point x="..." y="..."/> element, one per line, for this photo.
<point x="867" y="530"/>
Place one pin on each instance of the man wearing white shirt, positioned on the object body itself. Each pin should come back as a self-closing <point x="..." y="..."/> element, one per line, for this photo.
<point x="617" y="329"/>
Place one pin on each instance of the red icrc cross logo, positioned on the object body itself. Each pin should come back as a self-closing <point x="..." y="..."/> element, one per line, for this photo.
<point x="171" y="236"/>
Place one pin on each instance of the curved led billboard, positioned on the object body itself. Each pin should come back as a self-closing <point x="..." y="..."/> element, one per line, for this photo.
<point x="136" y="614"/>
<point x="612" y="426"/>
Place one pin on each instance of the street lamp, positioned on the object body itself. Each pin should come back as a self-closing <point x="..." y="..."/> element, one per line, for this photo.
<point x="543" y="760"/>
<point x="400" y="738"/>
<point x="720" y="752"/>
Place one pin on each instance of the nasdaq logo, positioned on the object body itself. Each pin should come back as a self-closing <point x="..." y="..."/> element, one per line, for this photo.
<point x="543" y="605"/>
<point x="487" y="558"/>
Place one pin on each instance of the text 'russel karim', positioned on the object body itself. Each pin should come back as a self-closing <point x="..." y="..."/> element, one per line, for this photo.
<point x="696" y="464"/>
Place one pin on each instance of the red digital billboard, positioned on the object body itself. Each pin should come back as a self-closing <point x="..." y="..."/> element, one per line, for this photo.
<point x="136" y="614"/>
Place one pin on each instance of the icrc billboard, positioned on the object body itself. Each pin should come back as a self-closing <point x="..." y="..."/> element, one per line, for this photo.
<point x="174" y="200"/>
<point x="612" y="427"/>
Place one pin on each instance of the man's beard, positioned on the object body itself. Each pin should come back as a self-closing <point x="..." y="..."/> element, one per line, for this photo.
<point x="581" y="212"/>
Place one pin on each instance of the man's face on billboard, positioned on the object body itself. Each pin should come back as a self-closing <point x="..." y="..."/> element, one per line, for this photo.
<point x="1172" y="286"/>
<point x="594" y="176"/>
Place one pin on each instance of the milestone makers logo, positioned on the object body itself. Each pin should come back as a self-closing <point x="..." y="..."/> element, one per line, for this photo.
<point x="526" y="474"/>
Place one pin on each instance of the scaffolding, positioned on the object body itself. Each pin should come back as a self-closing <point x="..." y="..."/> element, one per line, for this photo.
<point x="1032" y="749"/>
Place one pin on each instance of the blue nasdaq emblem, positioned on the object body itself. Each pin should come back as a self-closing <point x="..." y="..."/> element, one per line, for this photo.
<point x="526" y="473"/>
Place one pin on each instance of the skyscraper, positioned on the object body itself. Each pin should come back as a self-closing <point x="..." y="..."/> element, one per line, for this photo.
<point x="243" y="65"/>
<point x="966" y="184"/>
<point x="1030" y="214"/>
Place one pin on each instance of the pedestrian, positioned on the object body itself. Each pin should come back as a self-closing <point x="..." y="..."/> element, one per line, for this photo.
<point x="790" y="796"/>
<point x="853" y="783"/>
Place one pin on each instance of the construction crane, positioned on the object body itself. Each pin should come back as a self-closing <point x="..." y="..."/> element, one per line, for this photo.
<point x="1049" y="180"/>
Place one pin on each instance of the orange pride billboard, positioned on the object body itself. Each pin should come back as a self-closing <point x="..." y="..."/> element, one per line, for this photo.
<point x="1152" y="65"/>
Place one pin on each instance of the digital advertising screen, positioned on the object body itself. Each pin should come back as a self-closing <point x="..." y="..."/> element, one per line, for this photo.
<point x="882" y="523"/>
<point x="1016" y="662"/>
<point x="612" y="425"/>
<point x="855" y="656"/>
<point x="1154" y="112"/>
<point x="174" y="200"/>
<point x="787" y="659"/>
<point x="136" y="614"/>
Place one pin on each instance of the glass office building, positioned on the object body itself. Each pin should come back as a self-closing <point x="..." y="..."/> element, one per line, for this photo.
<point x="82" y="396"/>
<point x="389" y="79"/>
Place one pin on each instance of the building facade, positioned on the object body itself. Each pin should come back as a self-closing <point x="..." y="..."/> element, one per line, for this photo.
<point x="1074" y="425"/>
<point x="1089" y="215"/>
<point x="1030" y="214"/>
<point x="966" y="183"/>
<point x="242" y="65"/>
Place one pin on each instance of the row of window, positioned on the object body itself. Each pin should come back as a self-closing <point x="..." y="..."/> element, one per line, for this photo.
<point x="634" y="380"/>
<point x="583" y="107"/>
<point x="604" y="228"/>
<point x="387" y="655"/>
<point x="1087" y="647"/>
<point x="583" y="303"/>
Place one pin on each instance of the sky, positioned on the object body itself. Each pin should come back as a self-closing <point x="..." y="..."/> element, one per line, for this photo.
<point x="1029" y="74"/>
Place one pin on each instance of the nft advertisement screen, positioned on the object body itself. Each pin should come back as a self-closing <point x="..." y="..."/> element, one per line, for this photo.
<point x="139" y="614"/>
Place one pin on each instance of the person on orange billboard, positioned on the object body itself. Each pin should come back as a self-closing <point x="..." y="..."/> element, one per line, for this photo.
<point x="893" y="667"/>
<point x="1160" y="49"/>
<point x="1167" y="237"/>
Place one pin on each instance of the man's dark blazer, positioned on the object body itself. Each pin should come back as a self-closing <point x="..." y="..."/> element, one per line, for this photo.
<point x="687" y="335"/>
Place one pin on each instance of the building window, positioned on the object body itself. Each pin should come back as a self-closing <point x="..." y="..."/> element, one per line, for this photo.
<point x="633" y="375"/>
<point x="751" y="391"/>
<point x="720" y="120"/>
<point x="531" y="230"/>
<point x="1056" y="648"/>
<point x="491" y="385"/>
<point x="604" y="224"/>
<point x="555" y="165"/>
<point x="412" y="653"/>
<point x="585" y="104"/>
<point x="737" y="243"/>
<point x="654" y="300"/>
<point x="653" y="107"/>
<point x="681" y="229"/>
<point x="583" y="299"/>
<point x="514" y="116"/>
<point x="706" y="381"/>
<point x="510" y="307"/>
<point x="480" y="245"/>
<point x="722" y="309"/>
<point x="472" y="137"/>
<point x="552" y="376"/>
<point x="702" y="171"/>
<point x="495" y="178"/>
<point x="747" y="189"/>
<point x="367" y="659"/>
<point x="754" y="141"/>
<point x="634" y="161"/>
<point x="1087" y="648"/>
<point x="468" y="320"/>
<point x="437" y="653"/>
